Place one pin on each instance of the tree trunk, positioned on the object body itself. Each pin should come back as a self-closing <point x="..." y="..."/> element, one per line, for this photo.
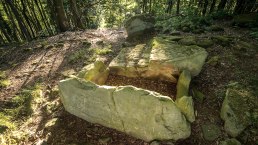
<point x="5" y="28"/>
<point x="24" y="10"/>
<point x="14" y="31"/>
<point x="76" y="14"/>
<point x="43" y="18"/>
<point x="239" y="7"/>
<point x="170" y="4"/>
<point x="19" y="19"/>
<point x="177" y="7"/>
<point x="34" y="15"/>
<point x="61" y="17"/>
<point x="44" y="15"/>
<point x="222" y="5"/>
<point x="52" y="13"/>
<point x="249" y="6"/>
<point x="212" y="6"/>
<point x="205" y="7"/>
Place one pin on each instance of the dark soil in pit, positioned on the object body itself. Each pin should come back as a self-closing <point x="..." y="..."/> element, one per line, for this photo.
<point x="162" y="87"/>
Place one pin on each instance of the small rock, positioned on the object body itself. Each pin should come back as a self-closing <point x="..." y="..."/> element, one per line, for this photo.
<point x="173" y="38"/>
<point x="205" y="43"/>
<point x="222" y="40"/>
<point x="216" y="28"/>
<point x="105" y="140"/>
<point x="155" y="143"/>
<point x="51" y="123"/>
<point x="41" y="142"/>
<point x="185" y="104"/>
<point x="175" y="33"/>
<point x="96" y="72"/>
<point x="213" y="60"/>
<point x="49" y="46"/>
<point x="34" y="63"/>
<point x="186" y="29"/>
<point x="86" y="43"/>
<point x="101" y="42"/>
<point x="231" y="141"/>
<point x="27" y="49"/>
<point x="187" y="41"/>
<point x="68" y="73"/>
<point x="59" y="44"/>
<point x="198" y="31"/>
<point x="127" y="44"/>
<point x="210" y="131"/>
<point x="197" y="95"/>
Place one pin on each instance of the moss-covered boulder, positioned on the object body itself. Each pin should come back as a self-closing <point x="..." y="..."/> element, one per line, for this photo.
<point x="238" y="110"/>
<point x="213" y="60"/>
<point x="96" y="72"/>
<point x="210" y="131"/>
<point x="186" y="105"/>
<point x="245" y="20"/>
<point x="139" y="25"/>
<point x="205" y="43"/>
<point x="183" y="84"/>
<point x="222" y="40"/>
<point x="140" y="113"/>
<point x="231" y="141"/>
<point x="198" y="95"/>
<point x="188" y="41"/>
<point x="216" y="28"/>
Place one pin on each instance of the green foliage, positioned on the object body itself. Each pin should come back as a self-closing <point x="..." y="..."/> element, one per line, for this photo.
<point x="221" y="15"/>
<point x="185" y="23"/>
<point x="254" y="33"/>
<point x="103" y="51"/>
<point x="20" y="107"/>
<point x="3" y="81"/>
<point x="2" y="75"/>
<point x="82" y="54"/>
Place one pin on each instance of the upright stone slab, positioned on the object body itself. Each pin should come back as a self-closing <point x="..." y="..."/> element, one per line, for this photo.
<point x="139" y="25"/>
<point x="162" y="59"/>
<point x="143" y="114"/>
<point x="238" y="110"/>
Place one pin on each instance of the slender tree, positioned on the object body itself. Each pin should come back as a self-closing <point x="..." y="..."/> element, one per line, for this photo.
<point x="24" y="13"/>
<point x="205" y="7"/>
<point x="19" y="20"/>
<point x="212" y="6"/>
<point x="14" y="31"/>
<point x="62" y="21"/>
<point x="76" y="14"/>
<point x="177" y="7"/>
<point x="5" y="28"/>
<point x="222" y="5"/>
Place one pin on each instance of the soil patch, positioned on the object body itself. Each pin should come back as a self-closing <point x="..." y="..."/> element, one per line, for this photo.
<point x="162" y="87"/>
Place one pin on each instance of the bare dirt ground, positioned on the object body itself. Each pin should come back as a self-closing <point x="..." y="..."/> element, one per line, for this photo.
<point x="50" y="60"/>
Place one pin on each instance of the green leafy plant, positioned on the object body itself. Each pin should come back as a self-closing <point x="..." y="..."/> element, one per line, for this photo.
<point x="254" y="33"/>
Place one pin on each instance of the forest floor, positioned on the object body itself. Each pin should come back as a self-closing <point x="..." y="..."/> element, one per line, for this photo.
<point x="33" y="69"/>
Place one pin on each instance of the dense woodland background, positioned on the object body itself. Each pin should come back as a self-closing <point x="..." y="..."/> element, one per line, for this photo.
<point x="25" y="20"/>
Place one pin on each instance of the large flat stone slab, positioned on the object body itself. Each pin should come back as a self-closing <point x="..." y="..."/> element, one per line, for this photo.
<point x="163" y="59"/>
<point x="141" y="113"/>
